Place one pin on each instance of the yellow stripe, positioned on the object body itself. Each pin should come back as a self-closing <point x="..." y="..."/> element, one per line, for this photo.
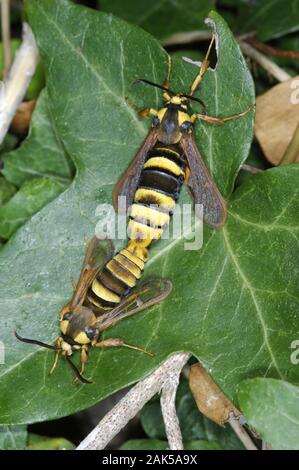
<point x="97" y="304"/>
<point x="104" y="293"/>
<point x="153" y="216"/>
<point x="128" y="265"/>
<point x="125" y="252"/>
<point x="125" y="276"/>
<point x="167" y="150"/>
<point x="165" y="202"/>
<point x="164" y="164"/>
<point x="136" y="230"/>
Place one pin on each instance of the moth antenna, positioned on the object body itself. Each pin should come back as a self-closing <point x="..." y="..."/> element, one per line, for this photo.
<point x="198" y="101"/>
<point x="76" y="371"/>
<point x="35" y="341"/>
<point x="148" y="82"/>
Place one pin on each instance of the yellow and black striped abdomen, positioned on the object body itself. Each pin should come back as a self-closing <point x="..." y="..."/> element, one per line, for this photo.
<point x="119" y="275"/>
<point x="157" y="192"/>
<point x="158" y="189"/>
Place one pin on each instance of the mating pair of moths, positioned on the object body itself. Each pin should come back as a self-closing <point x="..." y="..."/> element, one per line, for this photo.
<point x="152" y="183"/>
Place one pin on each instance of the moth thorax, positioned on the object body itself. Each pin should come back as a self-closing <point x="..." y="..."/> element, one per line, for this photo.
<point x="66" y="348"/>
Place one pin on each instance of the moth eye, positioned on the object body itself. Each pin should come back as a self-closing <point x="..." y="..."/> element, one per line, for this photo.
<point x="90" y="333"/>
<point x="186" y="126"/>
<point x="67" y="316"/>
<point x="156" y="121"/>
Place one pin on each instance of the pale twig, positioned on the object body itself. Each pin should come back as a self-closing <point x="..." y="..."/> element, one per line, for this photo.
<point x="292" y="151"/>
<point x="241" y="433"/>
<point x="194" y="36"/>
<point x="272" y="68"/>
<point x="187" y="38"/>
<point x="133" y="402"/>
<point x="170" y="418"/>
<point x="14" y="87"/>
<point x="251" y="169"/>
<point x="5" y="27"/>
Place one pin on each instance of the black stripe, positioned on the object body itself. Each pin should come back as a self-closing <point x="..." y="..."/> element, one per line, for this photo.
<point x="164" y="170"/>
<point x="124" y="254"/>
<point x="146" y="222"/>
<point x="128" y="261"/>
<point x="155" y="179"/>
<point x="112" y="283"/>
<point x="123" y="269"/>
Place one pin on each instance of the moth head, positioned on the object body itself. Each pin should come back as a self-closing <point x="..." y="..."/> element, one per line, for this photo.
<point x="62" y="346"/>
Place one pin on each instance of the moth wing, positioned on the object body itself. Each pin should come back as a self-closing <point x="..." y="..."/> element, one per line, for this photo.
<point x="150" y="292"/>
<point x="202" y="186"/>
<point x="99" y="251"/>
<point x="127" y="184"/>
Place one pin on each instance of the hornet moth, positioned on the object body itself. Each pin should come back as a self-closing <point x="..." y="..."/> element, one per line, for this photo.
<point x="168" y="157"/>
<point x="81" y="325"/>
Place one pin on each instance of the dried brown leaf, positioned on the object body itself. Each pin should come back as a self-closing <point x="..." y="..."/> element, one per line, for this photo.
<point x="277" y="118"/>
<point x="210" y="400"/>
<point x="22" y="118"/>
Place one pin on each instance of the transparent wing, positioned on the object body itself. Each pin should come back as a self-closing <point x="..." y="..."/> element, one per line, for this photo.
<point x="202" y="186"/>
<point x="128" y="182"/>
<point x="152" y="291"/>
<point x="99" y="251"/>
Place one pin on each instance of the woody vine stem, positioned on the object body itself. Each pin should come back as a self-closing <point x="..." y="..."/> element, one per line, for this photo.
<point x="164" y="379"/>
<point x="13" y="89"/>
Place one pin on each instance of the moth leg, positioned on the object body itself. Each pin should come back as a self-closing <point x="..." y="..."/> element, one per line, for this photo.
<point x="142" y="113"/>
<point x="118" y="342"/>
<point x="84" y="360"/>
<point x="55" y="362"/>
<point x="147" y="111"/>
<point x="220" y="121"/>
<point x="166" y="82"/>
<point x="203" y="68"/>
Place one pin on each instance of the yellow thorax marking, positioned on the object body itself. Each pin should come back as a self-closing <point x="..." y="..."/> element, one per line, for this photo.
<point x="82" y="338"/>
<point x="160" y="113"/>
<point x="183" y="117"/>
<point x="176" y="100"/>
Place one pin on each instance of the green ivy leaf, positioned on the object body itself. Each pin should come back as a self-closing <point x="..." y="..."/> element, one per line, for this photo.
<point x="9" y="143"/>
<point x="162" y="17"/>
<point x="271" y="407"/>
<point x="13" y="437"/>
<point x="270" y="19"/>
<point x="194" y="426"/>
<point x="155" y="444"/>
<point x="7" y="190"/>
<point x="33" y="195"/>
<point x="235" y="302"/>
<point x="41" y="154"/>
<point x="36" y="442"/>
<point x="144" y="444"/>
